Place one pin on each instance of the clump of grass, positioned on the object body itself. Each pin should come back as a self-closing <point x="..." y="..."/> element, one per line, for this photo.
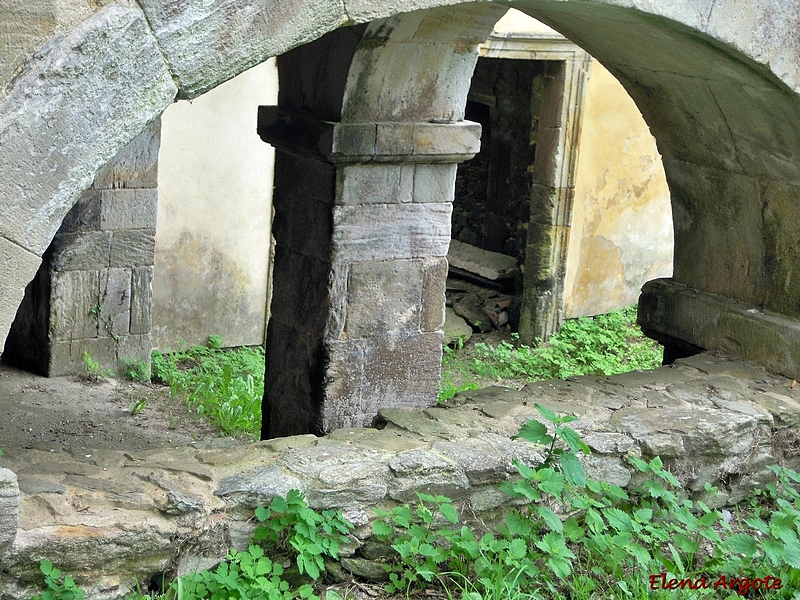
<point x="224" y="387"/>
<point x="602" y="345"/>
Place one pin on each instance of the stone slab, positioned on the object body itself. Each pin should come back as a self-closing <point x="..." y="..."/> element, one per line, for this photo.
<point x="17" y="268"/>
<point x="210" y="42"/>
<point x="491" y="265"/>
<point x="136" y="165"/>
<point x="386" y="232"/>
<point x="90" y="92"/>
<point x="668" y="309"/>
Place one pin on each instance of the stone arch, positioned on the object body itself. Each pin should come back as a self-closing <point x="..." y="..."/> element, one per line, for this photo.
<point x="717" y="81"/>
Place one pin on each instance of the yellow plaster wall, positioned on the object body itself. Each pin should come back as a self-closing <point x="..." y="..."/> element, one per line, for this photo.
<point x="622" y="222"/>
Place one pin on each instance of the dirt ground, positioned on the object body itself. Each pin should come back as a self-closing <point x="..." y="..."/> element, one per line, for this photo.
<point x="70" y="413"/>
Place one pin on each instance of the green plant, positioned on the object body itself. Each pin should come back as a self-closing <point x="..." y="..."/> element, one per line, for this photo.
<point x="448" y="389"/>
<point x="136" y="370"/>
<point x="56" y="588"/>
<point x="138" y="406"/>
<point x="225" y="387"/>
<point x="291" y="525"/>
<point x="601" y="345"/>
<point x="92" y="370"/>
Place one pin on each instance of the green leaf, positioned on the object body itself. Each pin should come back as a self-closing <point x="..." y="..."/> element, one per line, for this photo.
<point x="449" y="512"/>
<point x="45" y="566"/>
<point x="573" y="470"/>
<point x="550" y="518"/>
<point x="533" y="431"/>
<point x="574" y="441"/>
<point x="547" y="413"/>
<point x="517" y="549"/>
<point x="618" y="519"/>
<point x="741" y="543"/>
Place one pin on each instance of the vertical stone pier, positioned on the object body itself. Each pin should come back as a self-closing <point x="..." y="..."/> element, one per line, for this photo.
<point x="93" y="291"/>
<point x="362" y="228"/>
<point x="9" y="509"/>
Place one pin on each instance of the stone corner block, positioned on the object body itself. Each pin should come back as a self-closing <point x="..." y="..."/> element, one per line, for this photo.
<point x="9" y="509"/>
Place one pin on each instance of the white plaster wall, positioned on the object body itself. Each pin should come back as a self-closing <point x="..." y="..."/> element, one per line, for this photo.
<point x="214" y="214"/>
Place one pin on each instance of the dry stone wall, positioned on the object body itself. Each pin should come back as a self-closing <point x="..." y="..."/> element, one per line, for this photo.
<point x="113" y="518"/>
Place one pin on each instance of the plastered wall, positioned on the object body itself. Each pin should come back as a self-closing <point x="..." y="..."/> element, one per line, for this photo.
<point x="621" y="222"/>
<point x="214" y="212"/>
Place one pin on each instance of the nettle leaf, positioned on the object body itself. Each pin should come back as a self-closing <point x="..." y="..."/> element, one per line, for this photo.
<point x="517" y="549"/>
<point x="548" y="414"/>
<point x="618" y="519"/>
<point x="573" y="470"/>
<point x="572" y="530"/>
<point x="741" y="543"/>
<point x="550" y="518"/>
<point x="449" y="512"/>
<point x="774" y="551"/>
<point x="382" y="529"/>
<point x="535" y="432"/>
<point x="643" y="515"/>
<point x="574" y="441"/>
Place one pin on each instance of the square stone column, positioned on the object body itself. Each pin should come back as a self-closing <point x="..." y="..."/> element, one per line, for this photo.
<point x="362" y="228"/>
<point x="93" y="291"/>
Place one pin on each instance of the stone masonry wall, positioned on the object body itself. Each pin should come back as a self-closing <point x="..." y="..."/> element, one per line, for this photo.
<point x="92" y="293"/>
<point x="113" y="518"/>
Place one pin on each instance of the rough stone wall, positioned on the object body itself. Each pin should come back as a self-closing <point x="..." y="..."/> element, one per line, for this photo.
<point x="93" y="291"/>
<point x="491" y="207"/>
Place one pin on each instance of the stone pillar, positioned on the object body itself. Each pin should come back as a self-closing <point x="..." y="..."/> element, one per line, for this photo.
<point x="92" y="293"/>
<point x="362" y="228"/>
<point x="9" y="509"/>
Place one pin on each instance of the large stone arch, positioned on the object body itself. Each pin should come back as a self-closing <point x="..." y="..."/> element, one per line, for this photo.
<point x="717" y="82"/>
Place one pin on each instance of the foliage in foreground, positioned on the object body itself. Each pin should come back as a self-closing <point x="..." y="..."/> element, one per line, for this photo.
<point x="225" y="387"/>
<point x="602" y="345"/>
<point x="570" y="538"/>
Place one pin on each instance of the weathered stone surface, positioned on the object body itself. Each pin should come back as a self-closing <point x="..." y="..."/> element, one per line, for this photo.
<point x="491" y="265"/>
<point x="81" y="251"/>
<point x="34" y="485"/>
<point x="113" y="57"/>
<point x="384" y="297"/>
<point x="136" y="165"/>
<point x="698" y="432"/>
<point x="9" y="509"/>
<point x="128" y="209"/>
<point x="257" y="487"/>
<point x="424" y="471"/>
<point x="371" y="570"/>
<point x="386" y="232"/>
<point x="141" y="300"/>
<point x="476" y="458"/>
<point x="350" y="484"/>
<point x="672" y="310"/>
<point x="455" y="328"/>
<point x="210" y="43"/>
<point x="114" y="303"/>
<point x="132" y="248"/>
<point x="433" y="289"/>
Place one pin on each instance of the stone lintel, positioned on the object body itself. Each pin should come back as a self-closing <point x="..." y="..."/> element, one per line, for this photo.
<point x="386" y="142"/>
<point x="669" y="310"/>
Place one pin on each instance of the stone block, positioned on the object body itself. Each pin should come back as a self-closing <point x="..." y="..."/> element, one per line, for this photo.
<point x="427" y="472"/>
<point x="374" y="184"/>
<point x="133" y="349"/>
<point x="384" y="297"/>
<point x="132" y="248"/>
<point x="385" y="232"/>
<point x="67" y="357"/>
<point x="434" y="183"/>
<point x="141" y="300"/>
<point x="115" y="298"/>
<point x="433" y="287"/>
<point x="74" y="305"/>
<point x="69" y="110"/>
<point x="476" y="458"/>
<point x="394" y="138"/>
<point x="447" y="142"/>
<point x="81" y="251"/>
<point x="9" y="509"/>
<point x="136" y="165"/>
<point x="17" y="268"/>
<point x="401" y="371"/>
<point x="350" y="484"/>
<point x="211" y="42"/>
<point x="670" y="310"/>
<point x="128" y="209"/>
<point x="84" y="215"/>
